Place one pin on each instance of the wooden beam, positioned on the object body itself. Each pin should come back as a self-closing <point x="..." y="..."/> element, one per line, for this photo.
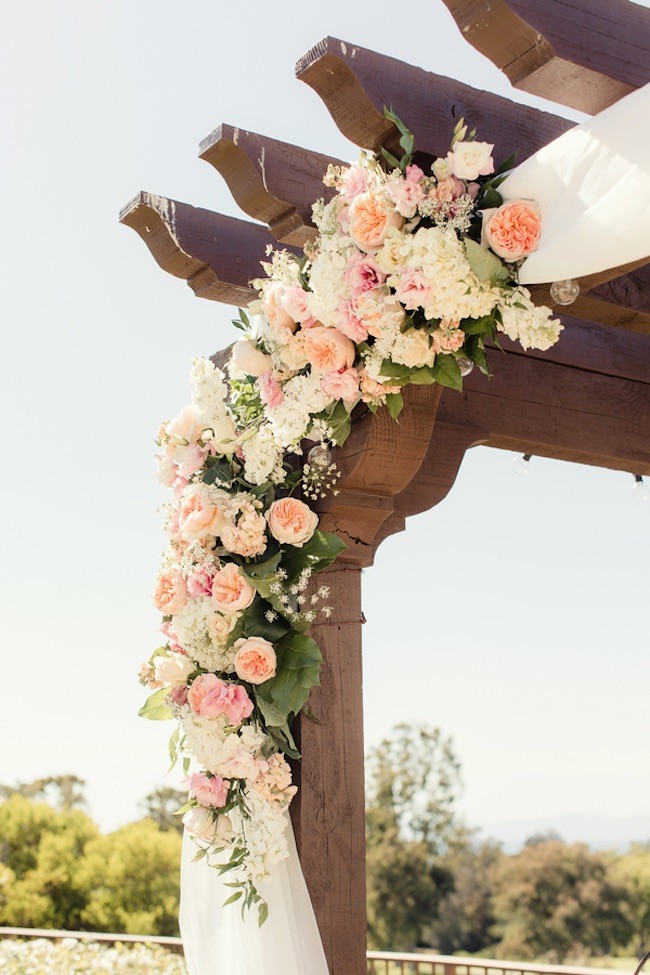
<point x="584" y="53"/>
<point x="272" y="181"/>
<point x="215" y="254"/>
<point x="355" y="85"/>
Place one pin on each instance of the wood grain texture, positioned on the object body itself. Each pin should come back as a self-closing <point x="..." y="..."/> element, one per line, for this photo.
<point x="584" y="53"/>
<point x="329" y="811"/>
<point x="355" y="84"/>
<point x="215" y="254"/>
<point x="272" y="181"/>
<point x="619" y="296"/>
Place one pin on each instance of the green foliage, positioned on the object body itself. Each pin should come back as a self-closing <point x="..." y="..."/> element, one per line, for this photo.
<point x="155" y="707"/>
<point x="162" y="804"/>
<point x="485" y="265"/>
<point x="632" y="871"/>
<point x="130" y="880"/>
<point x="321" y="550"/>
<point x="555" y="901"/>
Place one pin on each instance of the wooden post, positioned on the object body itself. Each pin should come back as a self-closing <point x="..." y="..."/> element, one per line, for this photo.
<point x="328" y="812"/>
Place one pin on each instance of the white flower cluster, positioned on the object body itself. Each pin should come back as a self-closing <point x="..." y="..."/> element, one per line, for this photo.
<point x="527" y="323"/>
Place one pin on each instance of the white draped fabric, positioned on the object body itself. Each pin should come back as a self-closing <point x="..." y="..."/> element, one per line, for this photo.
<point x="218" y="942"/>
<point x="593" y="185"/>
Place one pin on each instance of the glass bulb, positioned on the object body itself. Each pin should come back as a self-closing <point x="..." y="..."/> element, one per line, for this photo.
<point x="520" y="465"/>
<point x="320" y="457"/>
<point x="640" y="490"/>
<point x="565" y="292"/>
<point x="465" y="365"/>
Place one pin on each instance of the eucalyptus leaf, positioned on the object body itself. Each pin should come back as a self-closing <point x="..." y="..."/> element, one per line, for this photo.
<point x="155" y="707"/>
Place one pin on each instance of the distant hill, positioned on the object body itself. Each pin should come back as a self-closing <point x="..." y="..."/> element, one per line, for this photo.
<point x="599" y="832"/>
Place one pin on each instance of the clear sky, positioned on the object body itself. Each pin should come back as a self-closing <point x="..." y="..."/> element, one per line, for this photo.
<point x="519" y="608"/>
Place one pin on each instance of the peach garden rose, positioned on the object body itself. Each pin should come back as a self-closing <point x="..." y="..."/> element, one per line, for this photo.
<point x="231" y="591"/>
<point x="170" y="594"/>
<point x="255" y="661"/>
<point x="512" y="230"/>
<point x="371" y="217"/>
<point x="291" y="521"/>
<point x="327" y="349"/>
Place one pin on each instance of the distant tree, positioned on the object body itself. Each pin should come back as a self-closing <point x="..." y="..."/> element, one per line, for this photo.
<point x="60" y="791"/>
<point x="131" y="880"/>
<point x="161" y="806"/>
<point x="465" y="917"/>
<point x="546" y="837"/>
<point x="413" y="778"/>
<point x="41" y="850"/>
<point x="632" y="870"/>
<point x="556" y="901"/>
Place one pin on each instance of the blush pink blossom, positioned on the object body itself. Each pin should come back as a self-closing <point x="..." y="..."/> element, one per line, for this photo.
<point x="231" y="591"/>
<point x="210" y="697"/>
<point x="407" y="193"/>
<point x="350" y="324"/>
<point x="341" y="384"/>
<point x="168" y="631"/>
<point x="414" y="289"/>
<point x="294" y="302"/>
<point x="353" y="181"/>
<point x="209" y="791"/>
<point x="362" y="273"/>
<point x="178" y="695"/>
<point x="199" y="582"/>
<point x="270" y="390"/>
<point x="447" y="190"/>
<point x="448" y="338"/>
<point x="278" y="318"/>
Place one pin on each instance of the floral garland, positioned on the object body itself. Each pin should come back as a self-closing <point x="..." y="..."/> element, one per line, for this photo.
<point x="408" y="277"/>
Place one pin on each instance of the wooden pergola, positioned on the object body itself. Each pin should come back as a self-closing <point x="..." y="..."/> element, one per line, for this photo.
<point x="587" y="400"/>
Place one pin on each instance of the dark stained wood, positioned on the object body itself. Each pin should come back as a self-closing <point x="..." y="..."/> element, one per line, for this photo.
<point x="584" y="53"/>
<point x="215" y="254"/>
<point x="355" y="85"/>
<point x="272" y="181"/>
<point x="329" y="811"/>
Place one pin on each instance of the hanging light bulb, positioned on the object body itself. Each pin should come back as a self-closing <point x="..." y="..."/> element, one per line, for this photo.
<point x="520" y="464"/>
<point x="640" y="490"/>
<point x="320" y="457"/>
<point x="465" y="365"/>
<point x="565" y="292"/>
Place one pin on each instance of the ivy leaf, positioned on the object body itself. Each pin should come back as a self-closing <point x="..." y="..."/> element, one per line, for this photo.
<point x="395" y="404"/>
<point x="446" y="371"/>
<point x="155" y="707"/>
<point x="321" y="550"/>
<point x="485" y="265"/>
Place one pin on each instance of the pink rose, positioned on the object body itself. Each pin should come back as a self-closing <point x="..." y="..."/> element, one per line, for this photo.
<point x="294" y="302"/>
<point x="270" y="390"/>
<point x="168" y="632"/>
<point x="231" y="592"/>
<point x="327" y="349"/>
<point x="447" y="190"/>
<point x="198" y="517"/>
<point x="209" y="791"/>
<point x="291" y="521"/>
<point x="471" y="159"/>
<point x="407" y="193"/>
<point x="170" y="593"/>
<point x="255" y="661"/>
<point x="178" y="695"/>
<point x="362" y="274"/>
<point x="250" y="359"/>
<point x="413" y="289"/>
<point x="512" y="230"/>
<point x="353" y="181"/>
<point x="371" y="217"/>
<point x="341" y="384"/>
<point x="199" y="583"/>
<point x="349" y="323"/>
<point x="210" y="697"/>
<point x="188" y="461"/>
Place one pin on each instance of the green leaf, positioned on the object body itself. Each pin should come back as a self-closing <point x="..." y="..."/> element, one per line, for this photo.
<point x="255" y="623"/>
<point x="490" y="198"/>
<point x="422" y="375"/>
<point x="339" y="422"/>
<point x="155" y="708"/>
<point x="446" y="371"/>
<point x="299" y="661"/>
<point x="221" y="471"/>
<point x="395" y="404"/>
<point x="322" y="549"/>
<point x="233" y="898"/>
<point x="485" y="265"/>
<point x="393" y="370"/>
<point x="173" y="746"/>
<point x="478" y="326"/>
<point x="261" y="569"/>
<point x="390" y="158"/>
<point x="262" y="913"/>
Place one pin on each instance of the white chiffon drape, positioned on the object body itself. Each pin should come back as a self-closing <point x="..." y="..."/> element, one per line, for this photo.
<point x="593" y="186"/>
<point x="218" y="942"/>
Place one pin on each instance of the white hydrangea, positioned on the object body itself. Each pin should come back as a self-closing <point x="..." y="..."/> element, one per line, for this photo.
<point x="303" y="397"/>
<point x="529" y="324"/>
<point x="266" y="838"/>
<point x="326" y="280"/>
<point x="220" y="750"/>
<point x="192" y="632"/>
<point x="264" y="457"/>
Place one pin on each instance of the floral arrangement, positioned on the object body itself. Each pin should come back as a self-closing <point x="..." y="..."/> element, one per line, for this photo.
<point x="409" y="275"/>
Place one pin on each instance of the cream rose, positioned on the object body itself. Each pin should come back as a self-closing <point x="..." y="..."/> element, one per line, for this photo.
<point x="200" y="822"/>
<point x="220" y="627"/>
<point x="416" y="349"/>
<point x="174" y="669"/>
<point x="291" y="522"/>
<point x="187" y="427"/>
<point x="255" y="660"/>
<point x="250" y="359"/>
<point x="231" y="592"/>
<point x="468" y="160"/>
<point x="328" y="349"/>
<point x="198" y="517"/>
<point x="371" y="218"/>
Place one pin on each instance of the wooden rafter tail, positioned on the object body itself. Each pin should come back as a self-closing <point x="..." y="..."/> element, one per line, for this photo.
<point x="217" y="255"/>
<point x="272" y="181"/>
<point x="355" y="84"/>
<point x="584" y="53"/>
